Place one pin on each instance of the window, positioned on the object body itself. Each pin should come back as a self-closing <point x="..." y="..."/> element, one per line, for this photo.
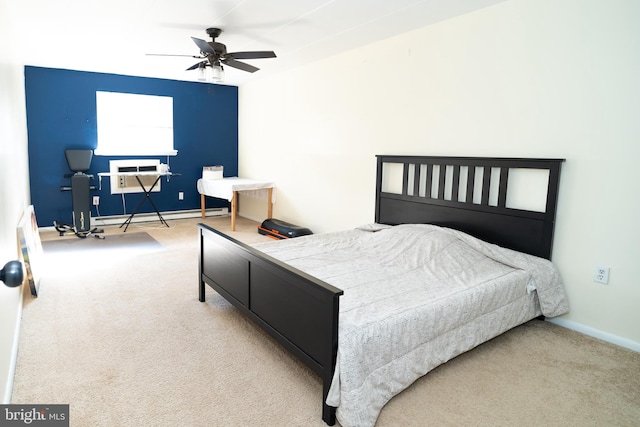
<point x="132" y="124"/>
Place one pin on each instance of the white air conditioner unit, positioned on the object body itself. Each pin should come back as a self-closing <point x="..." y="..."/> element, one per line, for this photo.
<point x="128" y="183"/>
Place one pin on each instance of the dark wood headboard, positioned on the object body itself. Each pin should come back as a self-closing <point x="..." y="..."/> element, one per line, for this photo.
<point x="469" y="194"/>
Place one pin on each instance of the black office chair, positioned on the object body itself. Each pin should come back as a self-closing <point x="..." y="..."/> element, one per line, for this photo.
<point x="79" y="162"/>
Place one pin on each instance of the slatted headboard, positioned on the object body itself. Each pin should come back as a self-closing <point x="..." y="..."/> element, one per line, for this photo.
<point x="470" y="194"/>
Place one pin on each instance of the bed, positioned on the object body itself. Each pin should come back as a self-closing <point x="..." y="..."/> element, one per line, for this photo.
<point x="366" y="351"/>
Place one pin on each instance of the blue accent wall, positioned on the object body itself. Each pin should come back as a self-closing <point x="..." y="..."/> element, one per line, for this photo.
<point x="61" y="114"/>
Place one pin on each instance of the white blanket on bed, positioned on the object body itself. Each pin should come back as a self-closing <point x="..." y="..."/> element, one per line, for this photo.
<point x="413" y="295"/>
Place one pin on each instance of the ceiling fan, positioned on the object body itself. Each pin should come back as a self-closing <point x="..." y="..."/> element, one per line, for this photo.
<point x="215" y="55"/>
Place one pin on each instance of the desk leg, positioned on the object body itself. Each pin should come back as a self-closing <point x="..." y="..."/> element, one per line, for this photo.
<point x="269" y="203"/>
<point x="202" y="205"/>
<point x="234" y="207"/>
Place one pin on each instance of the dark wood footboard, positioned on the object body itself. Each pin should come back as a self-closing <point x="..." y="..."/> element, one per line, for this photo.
<point x="298" y="310"/>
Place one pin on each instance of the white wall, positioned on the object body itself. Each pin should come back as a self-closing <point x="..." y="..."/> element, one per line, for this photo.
<point x="524" y="78"/>
<point x="13" y="194"/>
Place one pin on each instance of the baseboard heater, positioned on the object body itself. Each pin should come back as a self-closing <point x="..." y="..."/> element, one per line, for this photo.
<point x="151" y="216"/>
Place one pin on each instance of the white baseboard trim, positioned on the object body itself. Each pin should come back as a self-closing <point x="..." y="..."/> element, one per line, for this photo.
<point x="596" y="333"/>
<point x="152" y="216"/>
<point x="8" y="391"/>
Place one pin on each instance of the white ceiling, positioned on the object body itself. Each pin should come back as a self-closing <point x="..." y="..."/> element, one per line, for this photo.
<point x="115" y="36"/>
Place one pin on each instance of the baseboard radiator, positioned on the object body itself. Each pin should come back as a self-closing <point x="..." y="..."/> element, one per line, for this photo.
<point x="152" y="216"/>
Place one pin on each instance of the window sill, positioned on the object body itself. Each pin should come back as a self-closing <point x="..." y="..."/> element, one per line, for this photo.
<point x="135" y="153"/>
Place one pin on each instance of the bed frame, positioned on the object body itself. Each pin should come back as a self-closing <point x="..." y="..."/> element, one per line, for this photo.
<point x="301" y="312"/>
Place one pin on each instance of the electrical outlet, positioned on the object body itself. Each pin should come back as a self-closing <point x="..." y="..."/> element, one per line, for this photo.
<point x="180" y="195"/>
<point x="96" y="200"/>
<point x="601" y="275"/>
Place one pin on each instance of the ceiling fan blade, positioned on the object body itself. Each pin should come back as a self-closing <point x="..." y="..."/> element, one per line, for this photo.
<point x="170" y="54"/>
<point x="252" y="55"/>
<point x="203" y="45"/>
<point x="239" y="65"/>
<point x="195" y="66"/>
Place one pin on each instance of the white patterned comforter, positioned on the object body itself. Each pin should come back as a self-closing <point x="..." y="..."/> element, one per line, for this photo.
<point x="414" y="297"/>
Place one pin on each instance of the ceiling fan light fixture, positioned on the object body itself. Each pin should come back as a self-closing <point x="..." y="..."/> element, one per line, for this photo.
<point x="217" y="74"/>
<point x="202" y="72"/>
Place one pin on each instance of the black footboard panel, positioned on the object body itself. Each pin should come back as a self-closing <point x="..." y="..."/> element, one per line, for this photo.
<point x="298" y="310"/>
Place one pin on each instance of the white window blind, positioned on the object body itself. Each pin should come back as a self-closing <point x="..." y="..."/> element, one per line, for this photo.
<point x="132" y="124"/>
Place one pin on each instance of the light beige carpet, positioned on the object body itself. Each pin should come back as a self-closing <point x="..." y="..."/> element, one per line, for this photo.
<point x="122" y="338"/>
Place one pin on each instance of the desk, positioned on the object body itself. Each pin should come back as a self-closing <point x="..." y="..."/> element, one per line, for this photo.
<point x="228" y="188"/>
<point x="147" y="192"/>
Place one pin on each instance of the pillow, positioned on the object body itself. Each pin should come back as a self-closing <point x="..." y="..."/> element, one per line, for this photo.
<point x="373" y="227"/>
